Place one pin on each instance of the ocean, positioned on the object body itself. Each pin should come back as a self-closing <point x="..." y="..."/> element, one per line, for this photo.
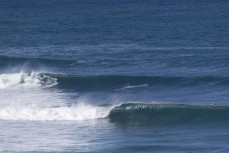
<point x="114" y="76"/>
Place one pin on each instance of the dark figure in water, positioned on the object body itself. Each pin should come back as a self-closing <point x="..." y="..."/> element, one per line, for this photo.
<point x="29" y="74"/>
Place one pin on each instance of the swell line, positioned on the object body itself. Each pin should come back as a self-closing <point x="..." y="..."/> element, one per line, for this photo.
<point x="169" y="113"/>
<point x="126" y="113"/>
<point x="109" y="82"/>
<point x="120" y="82"/>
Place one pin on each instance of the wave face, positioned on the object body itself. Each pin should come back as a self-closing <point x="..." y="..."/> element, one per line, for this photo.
<point x="169" y="114"/>
<point x="115" y="82"/>
<point x="104" y="82"/>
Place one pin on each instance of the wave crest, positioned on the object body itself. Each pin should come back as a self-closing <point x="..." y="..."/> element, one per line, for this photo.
<point x="168" y="113"/>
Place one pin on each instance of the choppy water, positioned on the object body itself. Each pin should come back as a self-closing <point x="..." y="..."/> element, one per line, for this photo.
<point x="114" y="76"/>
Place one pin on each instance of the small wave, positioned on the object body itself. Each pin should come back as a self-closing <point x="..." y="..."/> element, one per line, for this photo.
<point x="26" y="80"/>
<point x="78" y="112"/>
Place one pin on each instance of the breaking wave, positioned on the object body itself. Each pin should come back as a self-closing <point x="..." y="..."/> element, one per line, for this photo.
<point x="124" y="113"/>
<point x="156" y="114"/>
<point x="105" y="82"/>
<point x="169" y="113"/>
<point x="26" y="80"/>
<point x="78" y="112"/>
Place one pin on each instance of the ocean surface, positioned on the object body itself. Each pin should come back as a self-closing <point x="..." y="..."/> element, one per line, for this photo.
<point x="114" y="76"/>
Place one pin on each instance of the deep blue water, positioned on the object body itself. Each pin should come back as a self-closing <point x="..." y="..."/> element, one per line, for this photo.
<point x="114" y="76"/>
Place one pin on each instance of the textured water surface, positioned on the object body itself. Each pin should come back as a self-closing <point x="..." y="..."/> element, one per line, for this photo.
<point x="114" y="76"/>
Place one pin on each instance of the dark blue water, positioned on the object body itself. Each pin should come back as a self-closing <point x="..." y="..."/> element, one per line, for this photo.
<point x="114" y="76"/>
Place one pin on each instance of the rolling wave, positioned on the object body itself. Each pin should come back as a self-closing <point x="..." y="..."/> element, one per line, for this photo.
<point x="105" y="82"/>
<point x="169" y="113"/>
<point x="155" y="114"/>
<point x="116" y="82"/>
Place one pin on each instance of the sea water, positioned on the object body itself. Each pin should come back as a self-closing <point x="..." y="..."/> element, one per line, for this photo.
<point x="114" y="76"/>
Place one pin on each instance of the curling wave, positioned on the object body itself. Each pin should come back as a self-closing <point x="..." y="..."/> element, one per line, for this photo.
<point x="169" y="113"/>
<point x="155" y="114"/>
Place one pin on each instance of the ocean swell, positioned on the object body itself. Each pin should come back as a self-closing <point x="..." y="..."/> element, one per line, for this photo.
<point x="105" y="82"/>
<point x="155" y="114"/>
<point x="169" y="113"/>
<point x="120" y="82"/>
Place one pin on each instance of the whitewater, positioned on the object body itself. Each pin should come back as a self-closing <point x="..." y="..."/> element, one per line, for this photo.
<point x="35" y="99"/>
<point x="30" y="92"/>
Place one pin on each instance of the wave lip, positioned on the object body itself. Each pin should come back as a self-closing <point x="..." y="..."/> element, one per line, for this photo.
<point x="169" y="113"/>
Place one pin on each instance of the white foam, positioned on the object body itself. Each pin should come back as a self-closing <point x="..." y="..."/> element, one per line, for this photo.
<point x="20" y="102"/>
<point x="24" y="80"/>
<point x="136" y="86"/>
<point x="78" y="112"/>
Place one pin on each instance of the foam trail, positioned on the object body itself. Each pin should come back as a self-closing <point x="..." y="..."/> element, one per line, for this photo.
<point x="78" y="112"/>
<point x="137" y="86"/>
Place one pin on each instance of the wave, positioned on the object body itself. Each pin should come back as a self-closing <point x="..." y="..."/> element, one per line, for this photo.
<point x="168" y="113"/>
<point x="156" y="114"/>
<point x="105" y="82"/>
<point x="26" y="80"/>
<point x="79" y="112"/>
<point x="116" y="82"/>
